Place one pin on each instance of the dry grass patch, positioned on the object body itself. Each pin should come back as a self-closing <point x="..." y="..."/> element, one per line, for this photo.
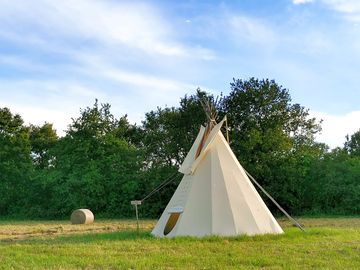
<point x="15" y="230"/>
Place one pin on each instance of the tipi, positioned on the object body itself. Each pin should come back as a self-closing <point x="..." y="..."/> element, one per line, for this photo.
<point x="215" y="196"/>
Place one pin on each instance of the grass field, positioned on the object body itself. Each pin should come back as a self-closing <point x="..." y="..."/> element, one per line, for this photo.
<point x="329" y="243"/>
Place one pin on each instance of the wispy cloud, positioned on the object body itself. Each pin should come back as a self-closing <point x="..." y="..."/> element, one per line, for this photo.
<point x="105" y="23"/>
<point x="299" y="2"/>
<point x="72" y="53"/>
<point x="350" y="8"/>
<point x="49" y="88"/>
<point x="145" y="81"/>
<point x="250" y="29"/>
<point x="21" y="63"/>
<point x="58" y="56"/>
<point x="346" y="6"/>
<point x="148" y="87"/>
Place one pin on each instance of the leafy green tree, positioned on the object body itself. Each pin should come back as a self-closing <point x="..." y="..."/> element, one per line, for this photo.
<point x="270" y="135"/>
<point x="42" y="139"/>
<point x="352" y="144"/>
<point x="335" y="187"/>
<point x="169" y="132"/>
<point x="15" y="162"/>
<point x="291" y="177"/>
<point x="263" y="119"/>
<point x="94" y="166"/>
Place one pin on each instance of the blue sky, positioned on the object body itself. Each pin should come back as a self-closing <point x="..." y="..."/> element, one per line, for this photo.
<point x="58" y="56"/>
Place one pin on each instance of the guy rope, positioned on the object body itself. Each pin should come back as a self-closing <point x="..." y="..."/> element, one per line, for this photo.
<point x="163" y="184"/>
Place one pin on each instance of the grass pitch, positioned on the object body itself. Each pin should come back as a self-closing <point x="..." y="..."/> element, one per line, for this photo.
<point x="329" y="243"/>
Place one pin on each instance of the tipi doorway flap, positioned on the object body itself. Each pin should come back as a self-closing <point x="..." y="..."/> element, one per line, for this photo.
<point x="174" y="214"/>
<point x="171" y="222"/>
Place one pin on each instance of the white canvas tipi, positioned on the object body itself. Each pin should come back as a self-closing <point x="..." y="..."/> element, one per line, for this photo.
<point x="215" y="196"/>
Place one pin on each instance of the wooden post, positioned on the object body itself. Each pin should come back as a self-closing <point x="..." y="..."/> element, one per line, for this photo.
<point x="136" y="203"/>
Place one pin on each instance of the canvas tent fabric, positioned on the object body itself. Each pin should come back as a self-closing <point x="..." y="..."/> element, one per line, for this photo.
<point x="215" y="196"/>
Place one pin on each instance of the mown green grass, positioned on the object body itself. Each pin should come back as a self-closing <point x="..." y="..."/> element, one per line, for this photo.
<point x="327" y="244"/>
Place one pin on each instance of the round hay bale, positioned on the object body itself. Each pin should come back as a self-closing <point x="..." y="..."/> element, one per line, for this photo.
<point x="82" y="216"/>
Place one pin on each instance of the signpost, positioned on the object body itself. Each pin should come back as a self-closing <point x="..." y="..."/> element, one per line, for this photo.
<point x="136" y="203"/>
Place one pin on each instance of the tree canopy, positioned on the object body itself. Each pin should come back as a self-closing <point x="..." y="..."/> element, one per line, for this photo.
<point x="103" y="162"/>
<point x="352" y="144"/>
<point x="15" y="161"/>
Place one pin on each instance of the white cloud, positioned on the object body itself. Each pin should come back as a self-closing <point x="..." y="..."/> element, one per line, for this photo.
<point x="346" y="6"/>
<point x="251" y="29"/>
<point x="74" y="52"/>
<point x="145" y="81"/>
<point x="105" y="23"/>
<point x="350" y="8"/>
<point x="145" y="92"/>
<point x="48" y="88"/>
<point x="157" y="89"/>
<point x="21" y="63"/>
<point x="229" y="26"/>
<point x="313" y="42"/>
<point x="39" y="115"/>
<point x="54" y="101"/>
<point x="39" y="101"/>
<point x="336" y="127"/>
<point x="299" y="2"/>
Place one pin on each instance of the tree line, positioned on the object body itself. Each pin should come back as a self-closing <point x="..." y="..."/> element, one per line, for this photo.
<point x="104" y="162"/>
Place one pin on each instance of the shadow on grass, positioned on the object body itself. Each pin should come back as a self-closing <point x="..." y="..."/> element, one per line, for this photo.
<point x="94" y="237"/>
<point x="132" y="235"/>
